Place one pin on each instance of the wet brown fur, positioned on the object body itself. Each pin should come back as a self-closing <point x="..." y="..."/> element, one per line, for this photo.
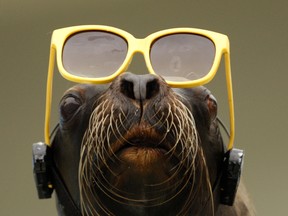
<point x="152" y="157"/>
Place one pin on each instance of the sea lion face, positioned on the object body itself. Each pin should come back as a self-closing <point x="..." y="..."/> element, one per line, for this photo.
<point x="139" y="147"/>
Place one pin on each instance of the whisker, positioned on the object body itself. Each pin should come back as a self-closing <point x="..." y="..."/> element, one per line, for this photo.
<point x="106" y="131"/>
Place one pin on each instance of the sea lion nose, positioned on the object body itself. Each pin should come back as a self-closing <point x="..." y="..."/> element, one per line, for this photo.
<point x="139" y="87"/>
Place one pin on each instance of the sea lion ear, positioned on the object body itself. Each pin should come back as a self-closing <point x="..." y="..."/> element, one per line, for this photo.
<point x="233" y="163"/>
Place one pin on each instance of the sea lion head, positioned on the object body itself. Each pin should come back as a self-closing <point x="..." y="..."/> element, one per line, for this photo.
<point x="139" y="147"/>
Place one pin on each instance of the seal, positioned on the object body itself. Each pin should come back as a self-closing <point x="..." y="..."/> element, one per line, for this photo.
<point x="139" y="147"/>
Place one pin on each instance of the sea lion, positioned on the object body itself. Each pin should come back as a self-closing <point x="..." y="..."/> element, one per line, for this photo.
<point x="139" y="147"/>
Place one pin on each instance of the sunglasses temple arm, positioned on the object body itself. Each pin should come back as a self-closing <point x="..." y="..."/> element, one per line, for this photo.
<point x="230" y="99"/>
<point x="49" y="96"/>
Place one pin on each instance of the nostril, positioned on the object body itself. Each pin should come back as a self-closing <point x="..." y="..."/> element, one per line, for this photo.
<point x="127" y="88"/>
<point x="139" y="87"/>
<point x="152" y="88"/>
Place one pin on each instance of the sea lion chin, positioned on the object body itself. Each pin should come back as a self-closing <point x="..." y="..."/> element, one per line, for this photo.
<point x="139" y="147"/>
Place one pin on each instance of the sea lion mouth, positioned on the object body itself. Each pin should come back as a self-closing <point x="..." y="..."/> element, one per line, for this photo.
<point x="141" y="143"/>
<point x="142" y="156"/>
<point x="140" y="152"/>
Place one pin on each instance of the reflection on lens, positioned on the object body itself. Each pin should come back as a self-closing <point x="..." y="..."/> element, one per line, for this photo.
<point x="182" y="56"/>
<point x="94" y="54"/>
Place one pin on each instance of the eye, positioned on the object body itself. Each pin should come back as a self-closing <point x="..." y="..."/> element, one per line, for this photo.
<point x="69" y="106"/>
<point x="212" y="106"/>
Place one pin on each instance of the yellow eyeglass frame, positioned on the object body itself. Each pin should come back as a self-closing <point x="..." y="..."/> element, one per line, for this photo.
<point x="60" y="36"/>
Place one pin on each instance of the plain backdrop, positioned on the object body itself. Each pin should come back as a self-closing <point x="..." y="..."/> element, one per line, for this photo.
<point x="258" y="33"/>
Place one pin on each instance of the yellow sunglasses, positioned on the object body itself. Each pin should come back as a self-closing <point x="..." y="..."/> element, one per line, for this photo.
<point x="97" y="54"/>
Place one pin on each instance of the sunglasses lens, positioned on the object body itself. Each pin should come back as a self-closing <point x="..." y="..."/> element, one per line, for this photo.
<point x="94" y="54"/>
<point x="182" y="56"/>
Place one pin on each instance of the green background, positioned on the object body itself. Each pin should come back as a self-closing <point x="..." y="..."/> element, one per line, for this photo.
<point x="258" y="33"/>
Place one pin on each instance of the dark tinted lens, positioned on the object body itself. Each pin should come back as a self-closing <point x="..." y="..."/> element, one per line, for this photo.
<point x="182" y="57"/>
<point x="94" y="54"/>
